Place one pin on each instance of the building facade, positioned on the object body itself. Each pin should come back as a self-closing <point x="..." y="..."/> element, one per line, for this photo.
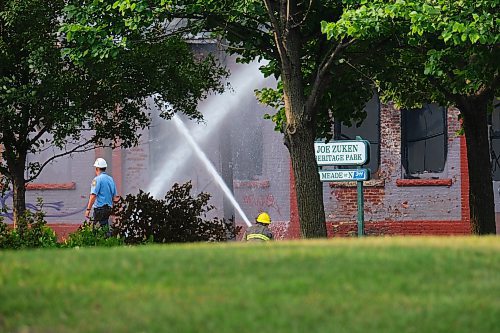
<point x="418" y="162"/>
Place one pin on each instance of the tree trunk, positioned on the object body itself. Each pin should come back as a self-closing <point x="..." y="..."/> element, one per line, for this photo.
<point x="481" y="200"/>
<point x="19" y="195"/>
<point x="308" y="186"/>
<point x="299" y="138"/>
<point x="16" y="164"/>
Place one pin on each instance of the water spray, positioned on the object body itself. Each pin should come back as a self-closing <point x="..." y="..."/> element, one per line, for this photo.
<point x="214" y="111"/>
<point x="208" y="165"/>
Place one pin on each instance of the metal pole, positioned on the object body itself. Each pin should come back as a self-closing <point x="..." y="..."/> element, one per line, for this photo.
<point x="361" y="204"/>
<point x="361" y="209"/>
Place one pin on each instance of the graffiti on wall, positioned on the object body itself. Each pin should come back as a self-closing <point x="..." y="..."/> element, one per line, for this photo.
<point x="52" y="209"/>
<point x="262" y="202"/>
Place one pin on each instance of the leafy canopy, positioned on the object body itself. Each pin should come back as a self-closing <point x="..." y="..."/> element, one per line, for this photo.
<point x="58" y="91"/>
<point x="442" y="49"/>
<point x="245" y="28"/>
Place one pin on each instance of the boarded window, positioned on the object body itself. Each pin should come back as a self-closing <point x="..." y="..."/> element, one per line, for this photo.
<point x="495" y="140"/>
<point x="424" y="140"/>
<point x="368" y="130"/>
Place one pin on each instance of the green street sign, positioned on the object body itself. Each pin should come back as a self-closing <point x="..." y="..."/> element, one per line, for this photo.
<point x="344" y="175"/>
<point x="344" y="152"/>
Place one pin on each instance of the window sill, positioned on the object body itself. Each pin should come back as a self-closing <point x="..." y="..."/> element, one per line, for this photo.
<point x="50" y="186"/>
<point x="424" y="182"/>
<point x="367" y="183"/>
<point x="251" y="183"/>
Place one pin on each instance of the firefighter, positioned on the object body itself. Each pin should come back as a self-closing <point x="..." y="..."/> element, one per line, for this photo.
<point x="260" y="231"/>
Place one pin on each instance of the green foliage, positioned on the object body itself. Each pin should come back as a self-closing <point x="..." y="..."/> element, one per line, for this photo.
<point x="88" y="234"/>
<point x="31" y="232"/>
<point x="178" y="218"/>
<point x="316" y="79"/>
<point x="442" y="50"/>
<point x="57" y="89"/>
<point x="245" y="26"/>
<point x="274" y="99"/>
<point x="5" y="235"/>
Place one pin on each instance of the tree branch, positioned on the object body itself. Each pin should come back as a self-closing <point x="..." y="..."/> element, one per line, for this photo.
<point x="38" y="136"/>
<point x="485" y="90"/>
<point x="278" y="34"/>
<point x="76" y="149"/>
<point x="305" y="15"/>
<point x="288" y="17"/>
<point x="456" y="98"/>
<point x="5" y="172"/>
<point x="239" y="32"/>
<point x="319" y="85"/>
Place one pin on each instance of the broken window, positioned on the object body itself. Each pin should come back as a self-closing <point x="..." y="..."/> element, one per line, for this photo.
<point x="368" y="130"/>
<point x="495" y="140"/>
<point x="424" y="141"/>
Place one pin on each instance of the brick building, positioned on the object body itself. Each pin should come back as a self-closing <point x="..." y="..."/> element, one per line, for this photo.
<point x="419" y="184"/>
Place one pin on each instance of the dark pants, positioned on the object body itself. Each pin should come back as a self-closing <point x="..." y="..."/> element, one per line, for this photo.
<point x="101" y="215"/>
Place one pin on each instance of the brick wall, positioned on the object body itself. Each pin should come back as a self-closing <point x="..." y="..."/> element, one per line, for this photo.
<point x="392" y="205"/>
<point x="395" y="206"/>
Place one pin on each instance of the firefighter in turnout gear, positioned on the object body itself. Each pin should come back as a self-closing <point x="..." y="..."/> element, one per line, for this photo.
<point x="260" y="231"/>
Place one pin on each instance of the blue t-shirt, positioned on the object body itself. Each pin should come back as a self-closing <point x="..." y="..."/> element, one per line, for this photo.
<point x="103" y="186"/>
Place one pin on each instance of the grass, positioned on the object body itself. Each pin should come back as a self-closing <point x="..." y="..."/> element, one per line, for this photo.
<point x="341" y="285"/>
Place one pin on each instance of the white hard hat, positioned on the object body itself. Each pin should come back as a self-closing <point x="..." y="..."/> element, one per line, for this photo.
<point x="100" y="163"/>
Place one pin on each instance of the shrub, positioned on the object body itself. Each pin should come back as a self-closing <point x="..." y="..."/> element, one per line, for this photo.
<point x="31" y="231"/>
<point x="177" y="218"/>
<point x="89" y="234"/>
<point x="5" y="235"/>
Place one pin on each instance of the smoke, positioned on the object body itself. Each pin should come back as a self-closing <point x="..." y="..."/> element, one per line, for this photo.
<point x="214" y="111"/>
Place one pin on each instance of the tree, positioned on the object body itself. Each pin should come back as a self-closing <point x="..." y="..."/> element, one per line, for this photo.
<point x="52" y="97"/>
<point x="313" y="85"/>
<point x="444" y="52"/>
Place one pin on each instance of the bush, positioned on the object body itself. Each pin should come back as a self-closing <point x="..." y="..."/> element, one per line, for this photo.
<point x="89" y="234"/>
<point x="31" y="231"/>
<point x="178" y="218"/>
<point x="5" y="235"/>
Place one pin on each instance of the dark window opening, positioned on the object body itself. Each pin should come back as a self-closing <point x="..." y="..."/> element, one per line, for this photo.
<point x="424" y="141"/>
<point x="494" y="122"/>
<point x="368" y="130"/>
<point x="247" y="143"/>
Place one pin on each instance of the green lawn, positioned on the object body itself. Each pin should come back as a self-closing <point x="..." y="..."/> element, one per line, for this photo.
<point x="339" y="285"/>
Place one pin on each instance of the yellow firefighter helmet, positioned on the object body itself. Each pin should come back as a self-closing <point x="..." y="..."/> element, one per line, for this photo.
<point x="263" y="218"/>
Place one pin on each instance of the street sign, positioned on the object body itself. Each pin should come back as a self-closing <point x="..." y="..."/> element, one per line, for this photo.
<point x="344" y="175"/>
<point x="345" y="152"/>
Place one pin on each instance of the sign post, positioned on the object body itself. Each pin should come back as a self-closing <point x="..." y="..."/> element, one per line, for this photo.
<point x="361" y="208"/>
<point x="346" y="152"/>
<point x="361" y="201"/>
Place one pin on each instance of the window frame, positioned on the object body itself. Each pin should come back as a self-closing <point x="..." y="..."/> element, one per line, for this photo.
<point x="435" y="174"/>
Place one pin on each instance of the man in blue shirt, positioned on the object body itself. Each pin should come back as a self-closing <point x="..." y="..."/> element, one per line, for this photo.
<point x="102" y="194"/>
